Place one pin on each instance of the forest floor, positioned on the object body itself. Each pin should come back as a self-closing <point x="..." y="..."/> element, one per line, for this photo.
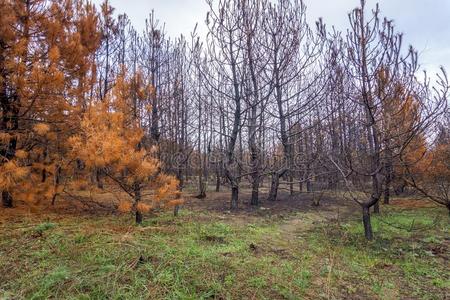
<point x="283" y="250"/>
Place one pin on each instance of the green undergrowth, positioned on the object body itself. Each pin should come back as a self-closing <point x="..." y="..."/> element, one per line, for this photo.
<point x="204" y="256"/>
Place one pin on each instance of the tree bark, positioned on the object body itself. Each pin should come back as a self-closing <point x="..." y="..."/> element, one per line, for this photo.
<point x="368" y="233"/>
<point x="138" y="217"/>
<point x="176" y="210"/>
<point x="56" y="183"/>
<point x="308" y="186"/>
<point x="234" y="197"/>
<point x="254" y="149"/>
<point x="388" y="179"/>
<point x="274" y="187"/>
<point x="255" y="192"/>
<point x="137" y="199"/>
<point x="234" y="134"/>
<point x="7" y="199"/>
<point x="201" y="184"/>
<point x="386" y="193"/>
<point x="291" y="184"/>
<point x="98" y="178"/>
<point x="217" y="180"/>
<point x="376" y="207"/>
<point x="254" y="156"/>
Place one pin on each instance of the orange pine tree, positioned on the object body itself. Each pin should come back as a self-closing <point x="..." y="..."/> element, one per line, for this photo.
<point x="430" y="174"/>
<point x="111" y="139"/>
<point x="45" y="47"/>
<point x="401" y="137"/>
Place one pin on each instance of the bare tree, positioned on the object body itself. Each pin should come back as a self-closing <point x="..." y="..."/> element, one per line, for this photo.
<point x="294" y="51"/>
<point x="376" y="68"/>
<point x="225" y="51"/>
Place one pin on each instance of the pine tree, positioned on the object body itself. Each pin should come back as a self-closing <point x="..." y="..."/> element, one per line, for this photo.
<point x="46" y="72"/>
<point x="111" y="138"/>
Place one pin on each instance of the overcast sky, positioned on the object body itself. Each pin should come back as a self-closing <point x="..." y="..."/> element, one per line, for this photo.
<point x="425" y="23"/>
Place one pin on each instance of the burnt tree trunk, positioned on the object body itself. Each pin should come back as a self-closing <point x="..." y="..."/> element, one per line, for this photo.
<point x="217" y="179"/>
<point x="291" y="184"/>
<point x="275" y="182"/>
<point x="7" y="200"/>
<point x="254" y="158"/>
<point x="387" y="193"/>
<point x="308" y="185"/>
<point x="56" y="183"/>
<point x="368" y="233"/>
<point x="388" y="180"/>
<point x="176" y="210"/>
<point x="287" y="154"/>
<point x="98" y="178"/>
<point x="234" y="133"/>
<point x="234" y="196"/>
<point x="201" y="183"/>
<point x="376" y="207"/>
<point x="252" y="130"/>
<point x="137" y="199"/>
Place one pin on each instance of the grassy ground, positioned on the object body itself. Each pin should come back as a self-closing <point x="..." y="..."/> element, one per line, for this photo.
<point x="217" y="255"/>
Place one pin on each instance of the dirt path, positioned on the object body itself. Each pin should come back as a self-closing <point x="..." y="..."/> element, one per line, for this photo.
<point x="295" y="215"/>
<point x="330" y="203"/>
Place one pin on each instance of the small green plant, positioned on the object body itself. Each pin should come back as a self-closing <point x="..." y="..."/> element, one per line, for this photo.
<point x="303" y="279"/>
<point x="41" y="228"/>
<point x="257" y="282"/>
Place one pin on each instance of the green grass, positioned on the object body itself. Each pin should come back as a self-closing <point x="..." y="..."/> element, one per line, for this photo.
<point x="201" y="256"/>
<point x="407" y="259"/>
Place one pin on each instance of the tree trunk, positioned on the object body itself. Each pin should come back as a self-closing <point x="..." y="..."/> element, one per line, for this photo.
<point x="176" y="210"/>
<point x="44" y="175"/>
<point x="254" y="156"/>
<point x="255" y="192"/>
<point x="138" y="217"/>
<point x="137" y="199"/>
<point x="308" y="186"/>
<point x="386" y="194"/>
<point x="400" y="189"/>
<point x="274" y="187"/>
<point x="291" y="184"/>
<point x="201" y="184"/>
<point x="180" y="177"/>
<point x="233" y="136"/>
<point x="367" y="224"/>
<point x="388" y="169"/>
<point x="217" y="180"/>
<point x="201" y="187"/>
<point x="98" y="178"/>
<point x="234" y="196"/>
<point x="56" y="183"/>
<point x="376" y="207"/>
<point x="7" y="199"/>
<point x="387" y="189"/>
<point x="252" y="128"/>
